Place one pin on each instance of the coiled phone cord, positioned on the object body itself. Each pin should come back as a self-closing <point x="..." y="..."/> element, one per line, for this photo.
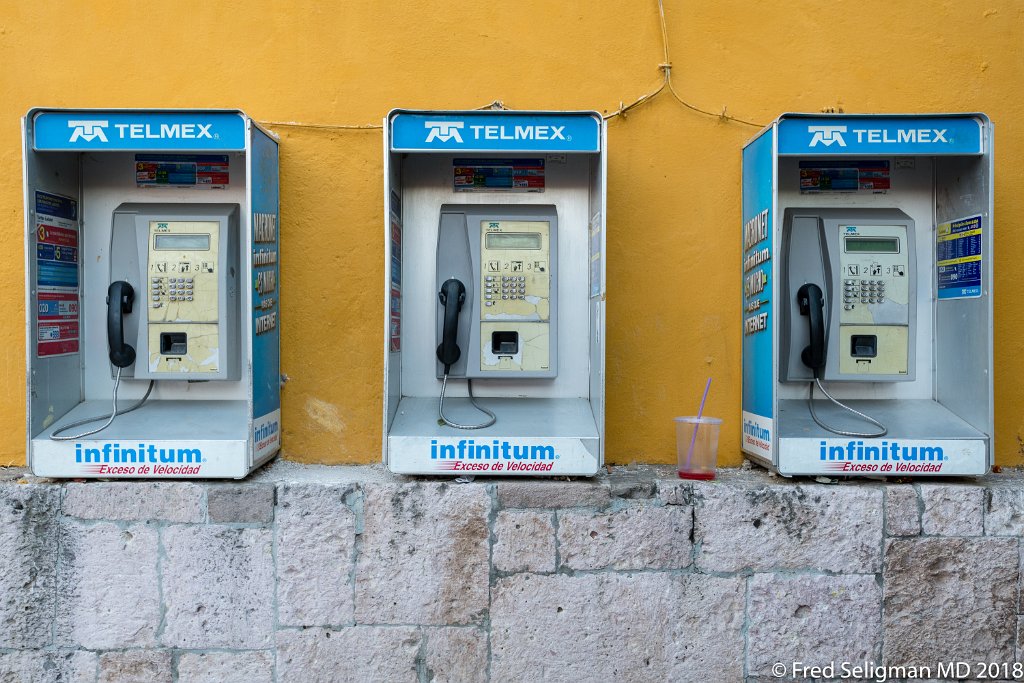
<point x="109" y="418"/>
<point x="440" y="408"/>
<point x="840" y="432"/>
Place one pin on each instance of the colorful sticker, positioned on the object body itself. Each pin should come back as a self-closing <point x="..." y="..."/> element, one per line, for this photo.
<point x="395" y="333"/>
<point x="498" y="175"/>
<point x="57" y="275"/>
<point x="958" y="258"/>
<point x="833" y="175"/>
<point x="204" y="171"/>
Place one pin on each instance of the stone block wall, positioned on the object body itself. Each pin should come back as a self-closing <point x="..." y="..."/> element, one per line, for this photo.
<point x="305" y="574"/>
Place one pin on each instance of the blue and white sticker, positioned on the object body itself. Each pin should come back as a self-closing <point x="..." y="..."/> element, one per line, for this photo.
<point x="757" y="268"/>
<point x="138" y="130"/>
<point x="958" y="258"/>
<point x="840" y="135"/>
<point x="483" y="131"/>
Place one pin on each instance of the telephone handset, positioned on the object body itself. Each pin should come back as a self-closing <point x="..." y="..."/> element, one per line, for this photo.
<point x="120" y="296"/>
<point x="812" y="304"/>
<point x="452" y="296"/>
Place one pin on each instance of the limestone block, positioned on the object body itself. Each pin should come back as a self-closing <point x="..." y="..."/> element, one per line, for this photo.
<point x="108" y="592"/>
<point x="788" y="526"/>
<point x="813" y="619"/>
<point x="218" y="584"/>
<point x="675" y="491"/>
<point x="635" y="537"/>
<point x="240" y="503"/>
<point x="902" y="515"/>
<point x="28" y="563"/>
<point x="1005" y="513"/>
<point x="424" y="557"/>
<point x="357" y="653"/>
<point x="545" y="493"/>
<point x="524" y="541"/>
<point x="650" y="626"/>
<point x="253" y="666"/>
<point x="43" y="666"/>
<point x="315" y="546"/>
<point x="151" y="501"/>
<point x="952" y="510"/>
<point x="136" y="666"/>
<point x="950" y="599"/>
<point x="455" y="655"/>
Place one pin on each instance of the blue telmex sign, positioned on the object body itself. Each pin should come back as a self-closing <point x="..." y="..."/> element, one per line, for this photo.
<point x="496" y="132"/>
<point x="135" y="130"/>
<point x="841" y="135"/>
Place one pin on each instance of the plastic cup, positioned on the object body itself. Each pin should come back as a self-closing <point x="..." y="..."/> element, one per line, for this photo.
<point x="697" y="447"/>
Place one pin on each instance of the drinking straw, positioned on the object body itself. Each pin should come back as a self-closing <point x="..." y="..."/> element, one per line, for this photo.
<point x="700" y="412"/>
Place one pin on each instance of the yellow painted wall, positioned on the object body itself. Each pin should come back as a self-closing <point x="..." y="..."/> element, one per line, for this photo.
<point x="674" y="175"/>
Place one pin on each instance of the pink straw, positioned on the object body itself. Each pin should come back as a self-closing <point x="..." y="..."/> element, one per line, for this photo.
<point x="700" y="412"/>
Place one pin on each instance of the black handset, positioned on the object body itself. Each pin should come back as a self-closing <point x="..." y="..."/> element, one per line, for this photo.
<point x="120" y="296"/>
<point x="451" y="296"/>
<point x="812" y="304"/>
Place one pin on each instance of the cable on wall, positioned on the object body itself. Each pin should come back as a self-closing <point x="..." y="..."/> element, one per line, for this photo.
<point x="666" y="84"/>
<point x="666" y="70"/>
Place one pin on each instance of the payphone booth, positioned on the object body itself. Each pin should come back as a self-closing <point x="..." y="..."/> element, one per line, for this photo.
<point x="867" y="295"/>
<point x="494" y="292"/>
<point x="151" y="293"/>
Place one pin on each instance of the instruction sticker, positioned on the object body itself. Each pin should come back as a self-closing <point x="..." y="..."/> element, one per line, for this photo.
<point x="958" y="258"/>
<point x="204" y="171"/>
<point x="498" y="175"/>
<point x="57" y="283"/>
<point x="833" y="175"/>
<point x="395" y="332"/>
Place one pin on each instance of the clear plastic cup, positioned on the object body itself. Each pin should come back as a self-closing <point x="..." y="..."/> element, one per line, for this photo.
<point x="697" y="447"/>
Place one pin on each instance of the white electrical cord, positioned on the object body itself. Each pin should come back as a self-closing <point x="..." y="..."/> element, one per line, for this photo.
<point x="109" y="418"/>
<point x="440" y="408"/>
<point x="840" y="432"/>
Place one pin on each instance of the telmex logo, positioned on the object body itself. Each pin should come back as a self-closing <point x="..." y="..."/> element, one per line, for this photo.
<point x="449" y="130"/>
<point x="826" y="135"/>
<point x="91" y="130"/>
<point x="444" y="130"/>
<point x="87" y="130"/>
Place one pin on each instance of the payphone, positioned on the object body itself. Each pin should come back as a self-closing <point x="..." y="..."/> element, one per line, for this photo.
<point x="506" y="258"/>
<point x="181" y="261"/>
<point x="152" y="277"/>
<point x="848" y="280"/>
<point x="867" y="271"/>
<point x="494" y="292"/>
<point x="497" y="274"/>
